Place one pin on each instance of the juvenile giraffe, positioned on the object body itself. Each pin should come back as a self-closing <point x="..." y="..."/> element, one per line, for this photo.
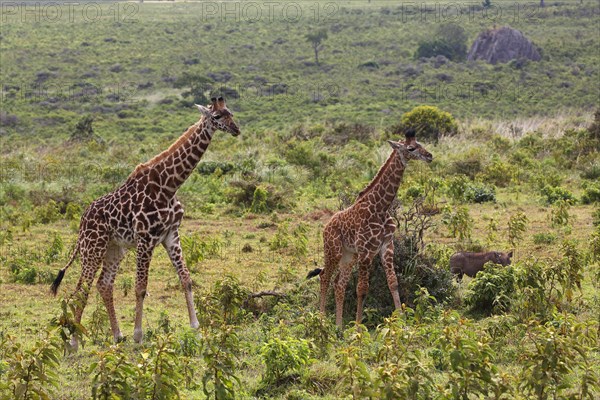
<point x="142" y="213"/>
<point x="357" y="233"/>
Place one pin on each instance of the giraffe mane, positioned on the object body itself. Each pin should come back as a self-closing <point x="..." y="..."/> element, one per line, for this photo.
<point x="172" y="148"/>
<point x="377" y="177"/>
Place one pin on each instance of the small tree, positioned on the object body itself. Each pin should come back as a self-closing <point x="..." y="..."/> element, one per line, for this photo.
<point x="84" y="130"/>
<point x="429" y="121"/>
<point x="316" y="38"/>
<point x="199" y="86"/>
<point x="450" y="41"/>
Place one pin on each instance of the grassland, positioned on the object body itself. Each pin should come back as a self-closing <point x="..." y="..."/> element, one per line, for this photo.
<point x="312" y="136"/>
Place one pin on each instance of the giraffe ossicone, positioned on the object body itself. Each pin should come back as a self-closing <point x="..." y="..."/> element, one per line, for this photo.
<point x="358" y="233"/>
<point x="142" y="213"/>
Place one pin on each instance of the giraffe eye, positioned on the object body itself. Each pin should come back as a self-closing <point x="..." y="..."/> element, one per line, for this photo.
<point x="412" y="148"/>
<point x="217" y="116"/>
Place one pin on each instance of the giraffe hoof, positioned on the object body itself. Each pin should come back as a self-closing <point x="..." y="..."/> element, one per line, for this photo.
<point x="138" y="335"/>
<point x="74" y="345"/>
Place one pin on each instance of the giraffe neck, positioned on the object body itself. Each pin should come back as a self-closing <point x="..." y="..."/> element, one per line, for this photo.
<point x="383" y="188"/>
<point x="172" y="167"/>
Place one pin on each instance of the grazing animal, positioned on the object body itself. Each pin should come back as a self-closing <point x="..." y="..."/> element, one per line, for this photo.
<point x="142" y="213"/>
<point x="465" y="263"/>
<point x="365" y="229"/>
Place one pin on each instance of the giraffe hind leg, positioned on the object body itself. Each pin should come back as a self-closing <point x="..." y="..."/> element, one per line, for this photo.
<point x="333" y="255"/>
<point x="362" y="288"/>
<point x="112" y="259"/>
<point x="346" y="263"/>
<point x="92" y="255"/>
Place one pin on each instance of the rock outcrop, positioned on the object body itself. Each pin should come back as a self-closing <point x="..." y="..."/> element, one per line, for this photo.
<point x="502" y="45"/>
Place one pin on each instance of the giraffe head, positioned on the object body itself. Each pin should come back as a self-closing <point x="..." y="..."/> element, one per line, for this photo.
<point x="220" y="116"/>
<point x="410" y="149"/>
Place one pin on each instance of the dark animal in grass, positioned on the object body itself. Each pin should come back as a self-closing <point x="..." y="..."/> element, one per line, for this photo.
<point x="466" y="263"/>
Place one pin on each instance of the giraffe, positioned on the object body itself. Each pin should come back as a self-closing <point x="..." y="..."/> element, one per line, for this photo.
<point x="358" y="233"/>
<point x="142" y="213"/>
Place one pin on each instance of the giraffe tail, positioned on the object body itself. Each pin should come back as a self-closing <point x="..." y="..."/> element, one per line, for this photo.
<point x="314" y="273"/>
<point x="61" y="273"/>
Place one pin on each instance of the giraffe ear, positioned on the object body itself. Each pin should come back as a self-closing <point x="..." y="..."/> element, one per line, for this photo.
<point x="203" y="110"/>
<point x="396" y="145"/>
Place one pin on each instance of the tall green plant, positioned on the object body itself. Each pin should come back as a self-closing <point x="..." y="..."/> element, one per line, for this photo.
<point x="32" y="373"/>
<point x="517" y="225"/>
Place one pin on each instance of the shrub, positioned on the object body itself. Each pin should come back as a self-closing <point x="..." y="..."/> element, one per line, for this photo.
<point x="498" y="172"/>
<point x="558" y="348"/>
<point x="491" y="290"/>
<point x="459" y="222"/>
<point x="591" y="193"/>
<point x="462" y="189"/>
<point x="559" y="214"/>
<point x="342" y="133"/>
<point x="256" y="196"/>
<point x="210" y="167"/>
<point x="414" y="270"/>
<point x="468" y="164"/>
<point x="544" y="238"/>
<point x="112" y="374"/>
<point x="47" y="213"/>
<point x="450" y="41"/>
<point x="555" y="193"/>
<point x="308" y="154"/>
<point x="31" y="373"/>
<point x="591" y="172"/>
<point x="430" y="122"/>
<point x="283" y="355"/>
<point x="517" y="225"/>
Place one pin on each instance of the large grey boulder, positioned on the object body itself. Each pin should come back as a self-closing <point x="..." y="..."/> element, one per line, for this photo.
<point x="502" y="45"/>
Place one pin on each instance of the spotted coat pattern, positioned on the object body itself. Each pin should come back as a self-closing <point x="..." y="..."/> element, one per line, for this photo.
<point x="358" y="233"/>
<point x="142" y="213"/>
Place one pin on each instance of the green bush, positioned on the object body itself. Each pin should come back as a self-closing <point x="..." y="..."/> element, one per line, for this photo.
<point x="450" y="41"/>
<point x="591" y="172"/>
<point x="48" y="212"/>
<point x="257" y="196"/>
<point x="469" y="163"/>
<point x="498" y="172"/>
<point x="491" y="290"/>
<point x="461" y="189"/>
<point x="284" y="355"/>
<point x="544" y="238"/>
<point x="459" y="222"/>
<point x="555" y="193"/>
<point x="430" y="122"/>
<point x="414" y="270"/>
<point x="591" y="193"/>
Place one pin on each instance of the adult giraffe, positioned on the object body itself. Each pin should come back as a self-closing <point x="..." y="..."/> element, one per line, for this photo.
<point x="359" y="232"/>
<point x="142" y="213"/>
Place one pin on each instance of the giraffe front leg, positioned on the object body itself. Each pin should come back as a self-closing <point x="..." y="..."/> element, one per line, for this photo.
<point x="387" y="259"/>
<point x="144" y="256"/>
<point x="105" y="285"/>
<point x="173" y="246"/>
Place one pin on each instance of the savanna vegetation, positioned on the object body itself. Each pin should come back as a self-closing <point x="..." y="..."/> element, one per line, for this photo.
<point x="91" y="90"/>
